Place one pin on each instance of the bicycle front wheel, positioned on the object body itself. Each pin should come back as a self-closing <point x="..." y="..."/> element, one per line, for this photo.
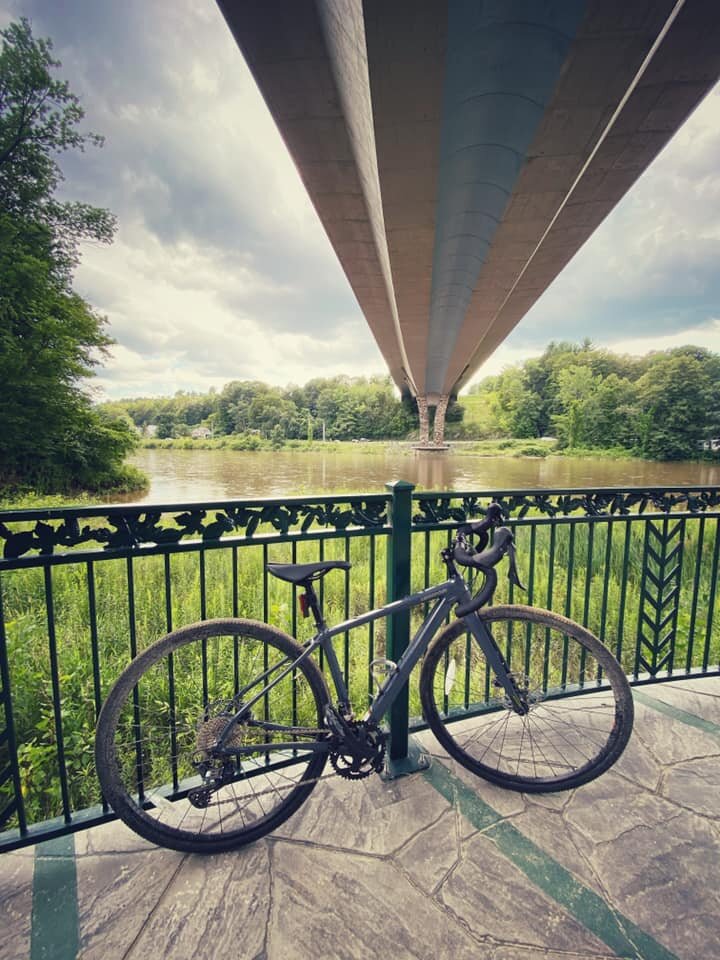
<point x="579" y="704"/>
<point x="157" y="736"/>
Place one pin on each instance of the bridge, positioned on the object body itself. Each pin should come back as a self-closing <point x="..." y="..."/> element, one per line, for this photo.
<point x="459" y="152"/>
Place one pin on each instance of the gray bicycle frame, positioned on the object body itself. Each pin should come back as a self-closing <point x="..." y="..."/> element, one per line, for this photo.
<point x="446" y="595"/>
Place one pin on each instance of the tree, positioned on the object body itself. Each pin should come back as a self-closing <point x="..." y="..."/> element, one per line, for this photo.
<point x="38" y="120"/>
<point x="679" y="398"/>
<point x="576" y="396"/>
<point x="661" y="406"/>
<point x="50" y="338"/>
<point x="518" y="404"/>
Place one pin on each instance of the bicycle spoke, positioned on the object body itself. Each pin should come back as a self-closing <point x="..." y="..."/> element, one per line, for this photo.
<point x="560" y="727"/>
<point x="200" y="799"/>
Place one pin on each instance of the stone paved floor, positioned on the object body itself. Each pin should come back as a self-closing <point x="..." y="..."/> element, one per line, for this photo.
<point x="434" y="865"/>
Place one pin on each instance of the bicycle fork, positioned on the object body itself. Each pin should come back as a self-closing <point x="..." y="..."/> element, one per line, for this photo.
<point x="496" y="662"/>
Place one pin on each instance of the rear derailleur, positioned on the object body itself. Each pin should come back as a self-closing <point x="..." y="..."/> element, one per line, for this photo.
<point x="357" y="747"/>
<point x="215" y="769"/>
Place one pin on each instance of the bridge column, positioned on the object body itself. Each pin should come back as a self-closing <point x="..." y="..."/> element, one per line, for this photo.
<point x="424" y="419"/>
<point x="439" y="428"/>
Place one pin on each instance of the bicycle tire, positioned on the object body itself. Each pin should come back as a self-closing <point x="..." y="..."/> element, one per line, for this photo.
<point x="157" y="722"/>
<point x="580" y="704"/>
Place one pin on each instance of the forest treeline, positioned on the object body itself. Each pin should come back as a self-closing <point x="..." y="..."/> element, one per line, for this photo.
<point x="338" y="408"/>
<point x="661" y="406"/>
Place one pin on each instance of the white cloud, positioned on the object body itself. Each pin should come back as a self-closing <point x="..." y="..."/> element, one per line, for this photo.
<point x="652" y="264"/>
<point x="707" y="336"/>
<point x="221" y="269"/>
<point x="168" y="306"/>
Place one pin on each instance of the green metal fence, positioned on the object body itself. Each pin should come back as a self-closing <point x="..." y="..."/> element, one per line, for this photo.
<point x="83" y="590"/>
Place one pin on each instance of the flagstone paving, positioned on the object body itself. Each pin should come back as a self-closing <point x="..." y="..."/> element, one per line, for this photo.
<point x="436" y="865"/>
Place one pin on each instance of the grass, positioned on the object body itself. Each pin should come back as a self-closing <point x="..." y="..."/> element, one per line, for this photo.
<point x="124" y="479"/>
<point x="255" y="443"/>
<point x="505" y="447"/>
<point x="598" y="453"/>
<point x="106" y="610"/>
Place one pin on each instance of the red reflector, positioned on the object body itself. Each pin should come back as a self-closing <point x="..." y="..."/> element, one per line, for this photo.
<point x="304" y="604"/>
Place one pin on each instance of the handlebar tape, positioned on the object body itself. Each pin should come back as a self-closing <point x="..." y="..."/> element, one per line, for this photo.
<point x="484" y="561"/>
<point x="489" y="557"/>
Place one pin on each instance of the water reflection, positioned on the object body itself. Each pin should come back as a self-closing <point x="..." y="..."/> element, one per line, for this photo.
<point x="188" y="475"/>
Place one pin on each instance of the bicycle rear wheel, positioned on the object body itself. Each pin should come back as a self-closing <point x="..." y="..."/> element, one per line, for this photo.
<point x="580" y="712"/>
<point x="163" y="717"/>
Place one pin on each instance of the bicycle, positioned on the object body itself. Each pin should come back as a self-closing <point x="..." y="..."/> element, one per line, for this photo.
<point x="218" y="732"/>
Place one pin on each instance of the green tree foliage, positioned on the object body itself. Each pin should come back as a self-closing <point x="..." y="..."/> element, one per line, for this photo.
<point x="39" y="118"/>
<point x="661" y="406"/>
<point x="50" y="338"/>
<point x="679" y="400"/>
<point x="349" y="407"/>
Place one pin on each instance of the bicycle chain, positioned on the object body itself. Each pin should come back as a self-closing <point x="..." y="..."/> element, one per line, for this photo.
<point x="262" y="793"/>
<point x="339" y="769"/>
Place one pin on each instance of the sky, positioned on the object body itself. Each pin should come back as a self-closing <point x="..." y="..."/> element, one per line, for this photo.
<point x="221" y="270"/>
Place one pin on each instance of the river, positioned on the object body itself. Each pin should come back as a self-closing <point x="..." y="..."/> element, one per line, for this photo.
<point x="178" y="476"/>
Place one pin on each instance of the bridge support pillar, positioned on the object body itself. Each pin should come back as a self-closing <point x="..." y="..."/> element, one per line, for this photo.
<point x="424" y="420"/>
<point x="439" y="427"/>
<point x="440" y="403"/>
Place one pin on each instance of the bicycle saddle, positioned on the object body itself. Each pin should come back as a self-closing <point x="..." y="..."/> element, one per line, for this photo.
<point x="298" y="572"/>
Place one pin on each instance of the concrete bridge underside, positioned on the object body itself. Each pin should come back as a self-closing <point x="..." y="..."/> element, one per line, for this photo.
<point x="460" y="152"/>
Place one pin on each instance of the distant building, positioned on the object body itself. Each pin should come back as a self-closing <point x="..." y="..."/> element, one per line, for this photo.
<point x="201" y="433"/>
<point x="151" y="430"/>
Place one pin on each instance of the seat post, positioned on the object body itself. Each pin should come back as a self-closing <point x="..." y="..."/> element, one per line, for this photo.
<point x="314" y="604"/>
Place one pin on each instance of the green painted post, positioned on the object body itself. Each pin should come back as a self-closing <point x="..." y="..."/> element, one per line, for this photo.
<point x="398" y="586"/>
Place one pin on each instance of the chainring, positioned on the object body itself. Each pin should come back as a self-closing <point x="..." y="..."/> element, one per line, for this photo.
<point x="352" y="766"/>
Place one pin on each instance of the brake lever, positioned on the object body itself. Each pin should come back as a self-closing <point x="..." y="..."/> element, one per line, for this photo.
<point x="513" y="575"/>
<point x="462" y="541"/>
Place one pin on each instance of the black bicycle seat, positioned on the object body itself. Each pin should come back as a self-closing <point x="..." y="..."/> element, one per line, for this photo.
<point x="299" y="572"/>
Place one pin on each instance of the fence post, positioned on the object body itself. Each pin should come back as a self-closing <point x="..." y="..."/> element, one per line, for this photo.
<point x="403" y="755"/>
<point x="12" y="771"/>
<point x="398" y="586"/>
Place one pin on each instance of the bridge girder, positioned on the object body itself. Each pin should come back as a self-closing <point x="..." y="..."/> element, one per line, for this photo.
<point x="459" y="153"/>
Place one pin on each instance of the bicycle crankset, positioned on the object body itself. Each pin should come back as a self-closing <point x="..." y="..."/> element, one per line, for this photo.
<point x="356" y="756"/>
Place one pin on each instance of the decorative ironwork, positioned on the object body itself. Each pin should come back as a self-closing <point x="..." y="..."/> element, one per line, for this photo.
<point x="659" y="596"/>
<point x="458" y="508"/>
<point x="644" y="558"/>
<point x="117" y="529"/>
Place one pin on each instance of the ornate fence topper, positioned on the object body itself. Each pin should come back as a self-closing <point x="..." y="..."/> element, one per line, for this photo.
<point x="437" y="508"/>
<point x="118" y="529"/>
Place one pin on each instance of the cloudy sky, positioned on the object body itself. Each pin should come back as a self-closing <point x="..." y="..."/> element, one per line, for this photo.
<point x="220" y="269"/>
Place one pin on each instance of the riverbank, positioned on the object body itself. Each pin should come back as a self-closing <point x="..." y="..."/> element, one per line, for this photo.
<point x="500" y="447"/>
<point x="128" y="481"/>
<point x="481" y="448"/>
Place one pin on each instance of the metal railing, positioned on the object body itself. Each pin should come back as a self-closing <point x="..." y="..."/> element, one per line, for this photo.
<point x="83" y="590"/>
